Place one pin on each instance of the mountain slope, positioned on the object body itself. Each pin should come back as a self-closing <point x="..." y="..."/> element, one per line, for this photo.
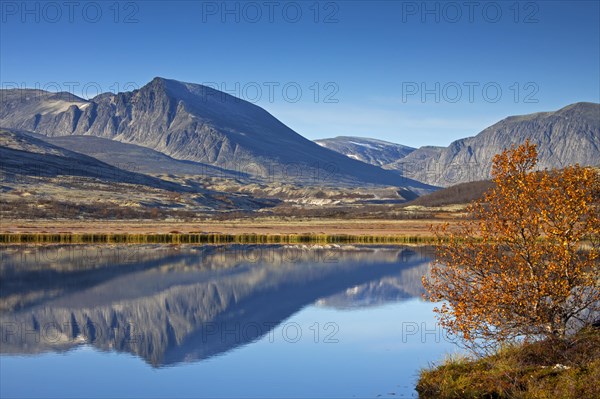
<point x="459" y="194"/>
<point x="192" y="122"/>
<point x="373" y="151"/>
<point x="567" y="136"/>
<point x="24" y="155"/>
<point x="134" y="157"/>
<point x="44" y="181"/>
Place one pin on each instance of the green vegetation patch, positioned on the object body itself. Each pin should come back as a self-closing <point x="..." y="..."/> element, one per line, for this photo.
<point x="568" y="368"/>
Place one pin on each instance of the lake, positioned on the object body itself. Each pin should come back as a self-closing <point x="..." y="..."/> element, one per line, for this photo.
<point x="234" y="321"/>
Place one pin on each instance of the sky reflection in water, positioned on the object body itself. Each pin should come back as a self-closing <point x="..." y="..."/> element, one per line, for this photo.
<point x="241" y="321"/>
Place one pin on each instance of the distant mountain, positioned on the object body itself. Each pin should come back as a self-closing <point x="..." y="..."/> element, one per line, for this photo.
<point x="373" y="151"/>
<point x="564" y="137"/>
<point x="192" y="122"/>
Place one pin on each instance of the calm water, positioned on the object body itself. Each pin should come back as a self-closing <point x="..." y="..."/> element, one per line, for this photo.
<point x="210" y="321"/>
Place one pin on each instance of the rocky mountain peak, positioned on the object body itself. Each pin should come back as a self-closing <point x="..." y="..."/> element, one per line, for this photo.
<point x="194" y="122"/>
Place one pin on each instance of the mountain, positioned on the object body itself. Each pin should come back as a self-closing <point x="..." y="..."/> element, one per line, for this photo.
<point x="45" y="181"/>
<point x="196" y="123"/>
<point x="134" y="157"/>
<point x="372" y="151"/>
<point x="23" y="155"/>
<point x="564" y="137"/>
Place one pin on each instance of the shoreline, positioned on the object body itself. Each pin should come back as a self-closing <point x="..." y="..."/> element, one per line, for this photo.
<point x="208" y="238"/>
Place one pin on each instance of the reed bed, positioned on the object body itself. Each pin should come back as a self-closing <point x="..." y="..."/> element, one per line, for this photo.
<point x="207" y="238"/>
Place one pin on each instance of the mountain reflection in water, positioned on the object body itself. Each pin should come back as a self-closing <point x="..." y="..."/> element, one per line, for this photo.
<point x="171" y="304"/>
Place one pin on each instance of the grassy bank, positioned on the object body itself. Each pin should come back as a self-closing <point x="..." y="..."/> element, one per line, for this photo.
<point x="544" y="369"/>
<point x="206" y="238"/>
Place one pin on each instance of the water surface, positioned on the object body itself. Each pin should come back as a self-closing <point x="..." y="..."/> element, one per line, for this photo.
<point x="214" y="321"/>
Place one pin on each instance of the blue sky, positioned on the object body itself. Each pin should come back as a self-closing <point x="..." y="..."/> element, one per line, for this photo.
<point x="410" y="72"/>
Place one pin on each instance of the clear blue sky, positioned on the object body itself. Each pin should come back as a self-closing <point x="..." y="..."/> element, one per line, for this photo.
<point x="371" y="61"/>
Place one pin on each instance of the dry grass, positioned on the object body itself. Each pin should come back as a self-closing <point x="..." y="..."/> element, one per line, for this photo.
<point x="259" y="225"/>
<point x="541" y="370"/>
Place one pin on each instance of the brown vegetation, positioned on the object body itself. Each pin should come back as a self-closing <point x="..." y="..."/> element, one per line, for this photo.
<point x="548" y="369"/>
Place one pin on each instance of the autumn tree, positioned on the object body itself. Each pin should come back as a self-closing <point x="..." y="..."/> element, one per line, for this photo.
<point x="525" y="263"/>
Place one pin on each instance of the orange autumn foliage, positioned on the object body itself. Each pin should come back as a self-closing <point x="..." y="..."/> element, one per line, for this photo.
<point x="526" y="263"/>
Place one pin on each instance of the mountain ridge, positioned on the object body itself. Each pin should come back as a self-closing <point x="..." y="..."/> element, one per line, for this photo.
<point x="188" y="121"/>
<point x="566" y="136"/>
<point x="192" y="122"/>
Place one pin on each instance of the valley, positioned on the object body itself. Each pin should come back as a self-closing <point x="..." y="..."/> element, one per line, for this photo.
<point x="181" y="157"/>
